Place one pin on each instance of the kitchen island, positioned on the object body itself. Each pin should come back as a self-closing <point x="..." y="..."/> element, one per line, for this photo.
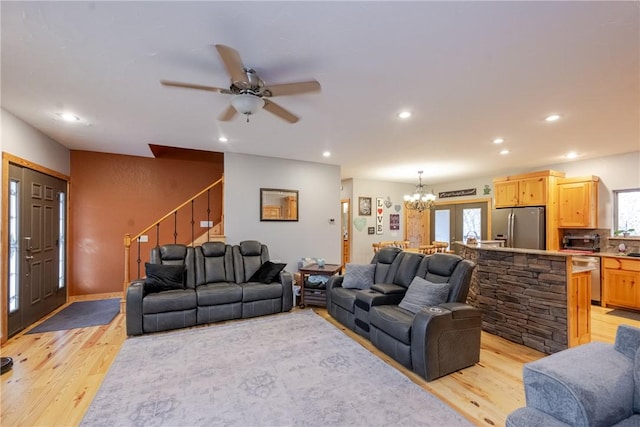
<point x="531" y="297"/>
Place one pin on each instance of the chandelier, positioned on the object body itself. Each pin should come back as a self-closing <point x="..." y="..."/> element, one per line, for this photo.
<point x="420" y="200"/>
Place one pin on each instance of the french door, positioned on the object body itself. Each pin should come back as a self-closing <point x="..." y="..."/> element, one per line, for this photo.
<point x="454" y="222"/>
<point x="37" y="251"/>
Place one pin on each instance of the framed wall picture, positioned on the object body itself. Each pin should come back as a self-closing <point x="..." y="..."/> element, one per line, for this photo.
<point x="364" y="206"/>
<point x="278" y="204"/>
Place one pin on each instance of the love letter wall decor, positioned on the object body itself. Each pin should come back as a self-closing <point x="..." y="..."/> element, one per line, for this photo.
<point x="379" y="215"/>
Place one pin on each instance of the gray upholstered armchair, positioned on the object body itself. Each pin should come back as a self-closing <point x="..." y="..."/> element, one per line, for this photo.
<point x="594" y="384"/>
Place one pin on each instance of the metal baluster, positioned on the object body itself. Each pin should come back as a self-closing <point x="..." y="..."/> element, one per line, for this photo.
<point x="175" y="227"/>
<point x="157" y="235"/>
<point x="209" y="215"/>
<point x="139" y="260"/>
<point x="192" y="223"/>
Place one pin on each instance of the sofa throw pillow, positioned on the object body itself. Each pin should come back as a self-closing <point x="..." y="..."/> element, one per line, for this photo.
<point x="163" y="277"/>
<point x="267" y="272"/>
<point x="422" y="293"/>
<point x="358" y="276"/>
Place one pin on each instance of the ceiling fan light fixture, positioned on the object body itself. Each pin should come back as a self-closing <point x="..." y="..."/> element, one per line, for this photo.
<point x="246" y="103"/>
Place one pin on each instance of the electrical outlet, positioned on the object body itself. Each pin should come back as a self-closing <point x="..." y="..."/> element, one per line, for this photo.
<point x="143" y="239"/>
<point x="206" y="224"/>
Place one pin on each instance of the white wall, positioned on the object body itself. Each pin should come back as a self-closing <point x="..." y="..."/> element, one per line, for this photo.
<point x="318" y="201"/>
<point x="361" y="241"/>
<point x="24" y="141"/>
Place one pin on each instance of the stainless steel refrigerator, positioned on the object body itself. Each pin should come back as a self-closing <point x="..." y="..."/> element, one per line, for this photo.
<point x="520" y="227"/>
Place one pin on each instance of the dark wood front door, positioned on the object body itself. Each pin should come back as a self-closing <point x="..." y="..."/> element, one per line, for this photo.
<point x="37" y="235"/>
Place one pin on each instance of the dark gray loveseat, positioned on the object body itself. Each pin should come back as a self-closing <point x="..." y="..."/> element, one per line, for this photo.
<point x="433" y="341"/>
<point x="216" y="287"/>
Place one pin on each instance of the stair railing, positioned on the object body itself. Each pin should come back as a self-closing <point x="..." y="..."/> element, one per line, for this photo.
<point x="161" y="235"/>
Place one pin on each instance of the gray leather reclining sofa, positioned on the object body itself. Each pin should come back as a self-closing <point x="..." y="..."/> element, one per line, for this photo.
<point x="216" y="288"/>
<point x="432" y="342"/>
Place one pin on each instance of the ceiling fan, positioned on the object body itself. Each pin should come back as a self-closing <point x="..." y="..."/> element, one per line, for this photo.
<point x="250" y="92"/>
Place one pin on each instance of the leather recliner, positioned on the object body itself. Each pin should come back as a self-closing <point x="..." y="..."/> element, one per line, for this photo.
<point x="216" y="288"/>
<point x="341" y="301"/>
<point x="259" y="299"/>
<point x="171" y="309"/>
<point x="433" y="342"/>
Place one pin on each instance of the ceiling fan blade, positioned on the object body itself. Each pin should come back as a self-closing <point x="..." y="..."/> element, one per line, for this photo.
<point x="292" y="88"/>
<point x="233" y="64"/>
<point x="228" y="114"/>
<point x="274" y="108"/>
<point x="192" y="86"/>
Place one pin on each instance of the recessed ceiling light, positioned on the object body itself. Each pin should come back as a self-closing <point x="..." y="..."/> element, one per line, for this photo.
<point x="223" y="139"/>
<point x="552" y="118"/>
<point x="68" y="117"/>
<point x="326" y="154"/>
<point x="404" y="114"/>
<point x="571" y="155"/>
<point x="503" y="152"/>
<point x="498" y="141"/>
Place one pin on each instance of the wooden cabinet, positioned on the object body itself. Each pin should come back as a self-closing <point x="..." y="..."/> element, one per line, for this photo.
<point x="290" y="207"/>
<point x="578" y="202"/>
<point x="521" y="192"/>
<point x="621" y="282"/>
<point x="530" y="189"/>
<point x="271" y="212"/>
<point x="579" y="308"/>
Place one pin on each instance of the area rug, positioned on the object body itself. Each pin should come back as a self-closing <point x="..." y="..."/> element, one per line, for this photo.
<point x="81" y="314"/>
<point x="291" y="369"/>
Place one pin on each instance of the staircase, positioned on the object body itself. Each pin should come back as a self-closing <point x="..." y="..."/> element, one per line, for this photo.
<point x="190" y="223"/>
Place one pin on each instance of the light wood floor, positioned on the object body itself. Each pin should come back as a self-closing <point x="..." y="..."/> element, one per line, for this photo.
<point x="57" y="374"/>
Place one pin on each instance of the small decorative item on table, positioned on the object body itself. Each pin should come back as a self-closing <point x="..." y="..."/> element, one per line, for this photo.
<point x="316" y="295"/>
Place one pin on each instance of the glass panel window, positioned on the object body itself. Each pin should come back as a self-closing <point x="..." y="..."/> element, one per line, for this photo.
<point x="62" y="201"/>
<point x="627" y="212"/>
<point x="472" y="222"/>
<point x="442" y="225"/>
<point x="14" y="246"/>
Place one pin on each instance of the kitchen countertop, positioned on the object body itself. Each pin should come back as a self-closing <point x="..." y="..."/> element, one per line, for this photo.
<point x="489" y="247"/>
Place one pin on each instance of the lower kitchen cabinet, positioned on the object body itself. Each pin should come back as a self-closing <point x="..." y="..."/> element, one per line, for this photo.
<point x="579" y="308"/>
<point x="621" y="282"/>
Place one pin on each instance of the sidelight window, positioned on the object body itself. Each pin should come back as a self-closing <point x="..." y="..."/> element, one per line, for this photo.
<point x="62" y="214"/>
<point x="14" y="245"/>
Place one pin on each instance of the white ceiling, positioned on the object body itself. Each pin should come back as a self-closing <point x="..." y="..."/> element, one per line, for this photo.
<point x="469" y="71"/>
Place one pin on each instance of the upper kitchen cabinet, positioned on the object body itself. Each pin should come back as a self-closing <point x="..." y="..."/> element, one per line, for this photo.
<point x="578" y="202"/>
<point x="531" y="189"/>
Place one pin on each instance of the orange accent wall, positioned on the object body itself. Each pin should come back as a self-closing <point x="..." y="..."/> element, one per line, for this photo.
<point x="112" y="194"/>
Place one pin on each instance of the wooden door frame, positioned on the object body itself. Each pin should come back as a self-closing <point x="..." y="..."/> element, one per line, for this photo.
<point x="4" y="232"/>
<point x="342" y="201"/>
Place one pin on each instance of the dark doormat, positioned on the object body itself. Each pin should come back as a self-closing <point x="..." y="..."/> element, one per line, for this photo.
<point x="81" y="314"/>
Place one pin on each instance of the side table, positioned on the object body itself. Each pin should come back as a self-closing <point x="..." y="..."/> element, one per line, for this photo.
<point x="316" y="296"/>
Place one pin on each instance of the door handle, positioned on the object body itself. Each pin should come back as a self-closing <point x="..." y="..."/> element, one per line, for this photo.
<point x="29" y="257"/>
